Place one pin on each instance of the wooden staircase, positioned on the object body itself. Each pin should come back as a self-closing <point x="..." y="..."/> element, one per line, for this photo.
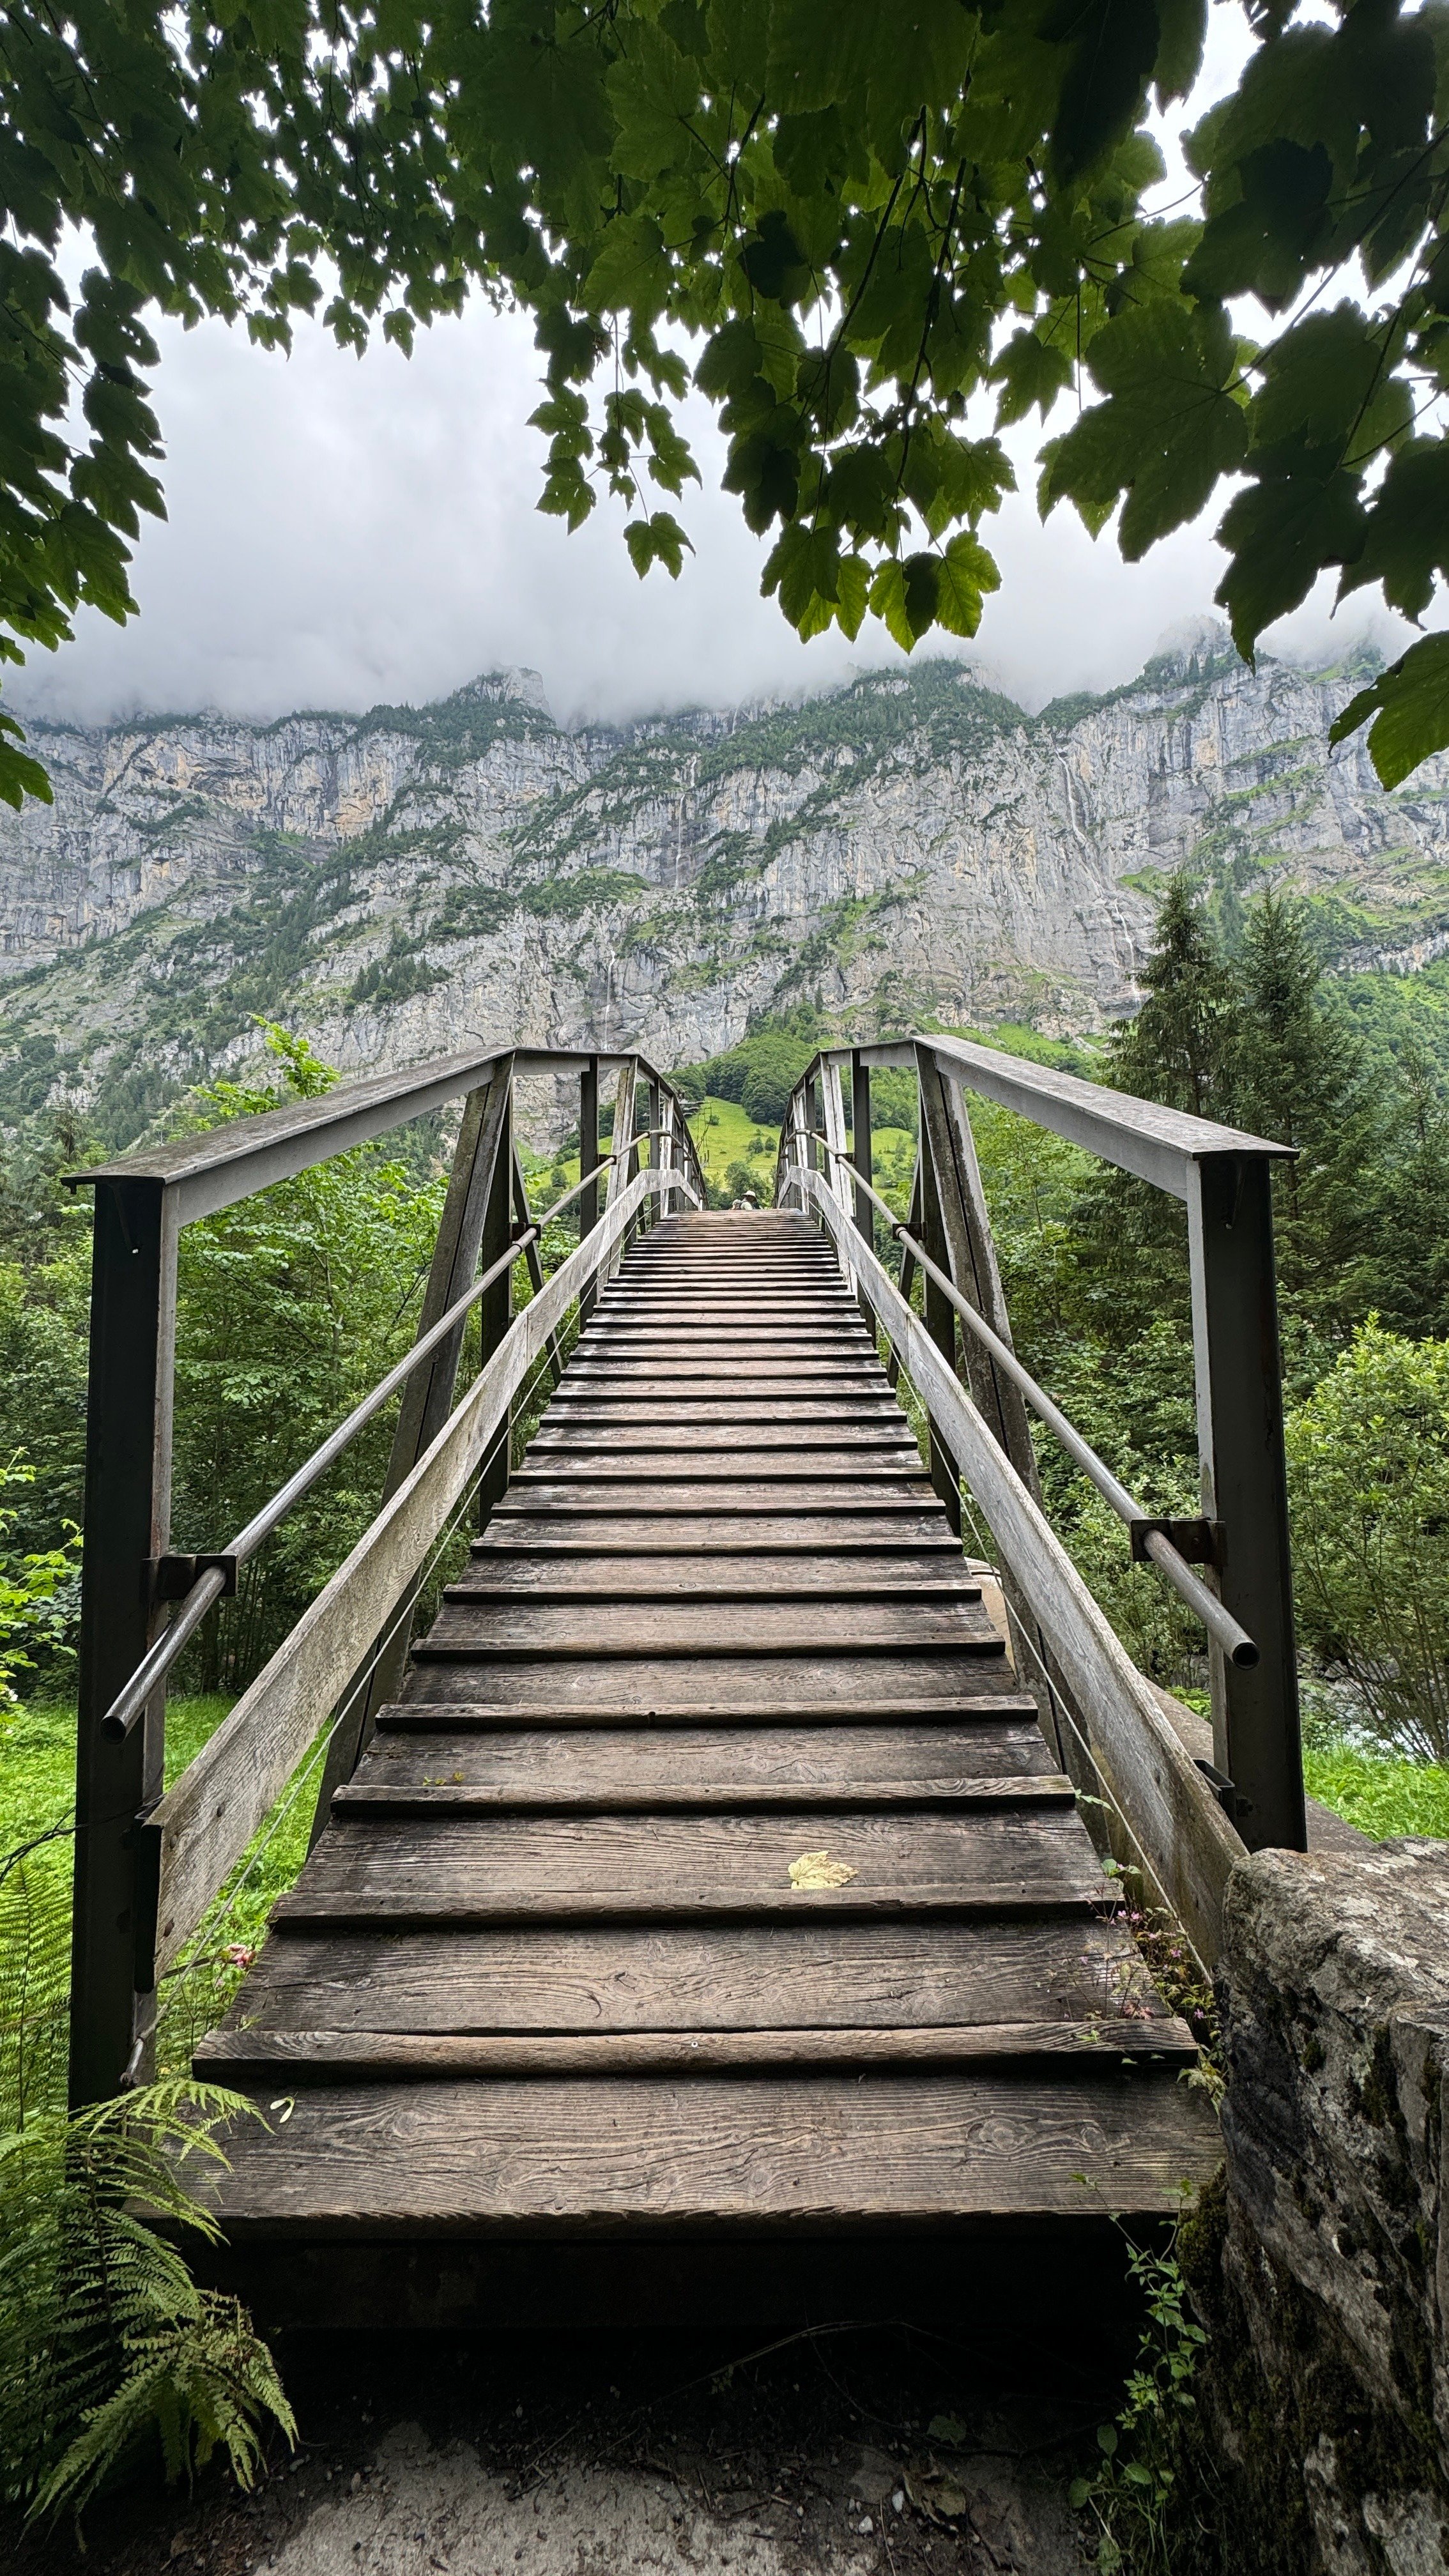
<point x="712" y="1880"/>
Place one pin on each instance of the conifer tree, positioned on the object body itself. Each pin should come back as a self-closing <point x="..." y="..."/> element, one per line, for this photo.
<point x="1178" y="1050"/>
<point x="1299" y="1074"/>
<point x="1411" y="1220"/>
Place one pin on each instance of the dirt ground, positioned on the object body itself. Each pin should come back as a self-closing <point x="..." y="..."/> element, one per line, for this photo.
<point x="881" y="2450"/>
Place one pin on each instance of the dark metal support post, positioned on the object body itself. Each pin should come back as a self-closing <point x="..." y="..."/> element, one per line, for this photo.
<point x="1256" y="1739"/>
<point x="588" y="1162"/>
<point x="860" y="1151"/>
<point x="971" y="1262"/>
<point x="649" y="1213"/>
<point x="940" y="1320"/>
<point x="127" y="1520"/>
<point x="495" y="1306"/>
<point x="531" y="1261"/>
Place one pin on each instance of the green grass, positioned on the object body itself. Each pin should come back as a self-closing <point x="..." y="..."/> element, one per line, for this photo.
<point x="37" y="1759"/>
<point x="37" y="1790"/>
<point x="723" y="1134"/>
<point x="1378" y="1792"/>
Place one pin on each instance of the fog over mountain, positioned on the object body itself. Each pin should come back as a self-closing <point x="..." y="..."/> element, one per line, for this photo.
<point x="914" y="843"/>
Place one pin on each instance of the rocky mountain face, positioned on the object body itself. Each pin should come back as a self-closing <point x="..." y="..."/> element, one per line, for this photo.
<point x="415" y="879"/>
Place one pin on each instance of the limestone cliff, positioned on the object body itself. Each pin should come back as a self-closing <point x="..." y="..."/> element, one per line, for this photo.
<point x="408" y="880"/>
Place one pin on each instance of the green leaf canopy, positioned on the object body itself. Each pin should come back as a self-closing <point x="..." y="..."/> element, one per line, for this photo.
<point x="867" y="225"/>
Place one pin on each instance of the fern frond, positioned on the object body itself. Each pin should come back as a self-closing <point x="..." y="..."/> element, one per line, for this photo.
<point x="202" y="2384"/>
<point x="102" y="2330"/>
<point x="34" y="1983"/>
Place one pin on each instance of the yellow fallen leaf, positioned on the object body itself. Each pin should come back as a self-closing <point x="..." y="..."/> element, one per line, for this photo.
<point x="817" y="1869"/>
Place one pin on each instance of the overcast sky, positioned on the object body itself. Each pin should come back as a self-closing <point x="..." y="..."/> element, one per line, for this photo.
<point x="343" y="531"/>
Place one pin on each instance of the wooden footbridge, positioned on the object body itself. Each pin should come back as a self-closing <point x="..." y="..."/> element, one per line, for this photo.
<point x="716" y="1868"/>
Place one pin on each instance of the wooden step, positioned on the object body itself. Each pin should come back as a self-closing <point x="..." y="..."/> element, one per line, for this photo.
<point x="723" y="1410"/>
<point x="854" y="1494"/>
<point x="733" y="2153"/>
<point x="842" y="1685"/>
<point x="868" y="1464"/>
<point x="296" y="2057"/>
<point x="685" y="1977"/>
<point x="711" y="1577"/>
<point x="566" y="1532"/>
<point x="719" y="1439"/>
<point x="484" y="1624"/>
<point x="489" y="1705"/>
<point x="709" y="1766"/>
<point x="666" y="1868"/>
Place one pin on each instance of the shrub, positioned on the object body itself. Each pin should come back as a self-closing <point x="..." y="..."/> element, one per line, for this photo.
<point x="1368" y="1457"/>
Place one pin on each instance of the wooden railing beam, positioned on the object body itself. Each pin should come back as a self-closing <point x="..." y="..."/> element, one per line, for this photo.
<point x="207" y="1818"/>
<point x="483" y="1153"/>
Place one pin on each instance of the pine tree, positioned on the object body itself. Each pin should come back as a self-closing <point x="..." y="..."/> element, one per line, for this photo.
<point x="1178" y="1049"/>
<point x="1410" y="1285"/>
<point x="1298" y="1074"/>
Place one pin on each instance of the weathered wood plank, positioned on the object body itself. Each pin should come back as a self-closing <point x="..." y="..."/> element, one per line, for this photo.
<point x="689" y="1765"/>
<point x="881" y="1462"/>
<point x="497" y="1571"/>
<point x="666" y="1868"/>
<point x="481" y="2158"/>
<point x="485" y="1626"/>
<point x="735" y="1976"/>
<point x="1185" y="1839"/>
<point x="513" y="1699"/>
<point x="842" y="1440"/>
<point x="720" y="1413"/>
<point x="206" y="1820"/>
<point x="296" y="2057"/>
<point x="739" y="1685"/>
<point x="716" y="1494"/>
<point x="897" y="1526"/>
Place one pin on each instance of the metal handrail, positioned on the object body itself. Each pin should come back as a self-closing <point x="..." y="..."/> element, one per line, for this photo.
<point x="1205" y="1605"/>
<point x="127" y="1707"/>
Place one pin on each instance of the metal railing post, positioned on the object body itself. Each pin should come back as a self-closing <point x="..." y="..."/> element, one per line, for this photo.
<point x="495" y="1306"/>
<point x="860" y="1149"/>
<point x="652" y="1210"/>
<point x="940" y="1322"/>
<point x="127" y="1523"/>
<point x="588" y="1162"/>
<point x="1256" y="1739"/>
<point x="971" y="1260"/>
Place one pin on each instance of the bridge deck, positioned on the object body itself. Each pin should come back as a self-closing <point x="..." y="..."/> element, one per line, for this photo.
<point x="562" y="1963"/>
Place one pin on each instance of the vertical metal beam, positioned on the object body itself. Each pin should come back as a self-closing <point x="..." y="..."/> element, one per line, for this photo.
<point x="482" y="1170"/>
<point x="588" y="1162"/>
<point x="860" y="1146"/>
<point x="127" y="1524"/>
<point x="1256" y="1738"/>
<point x="940" y="1320"/>
<point x="495" y="1306"/>
<point x="971" y="1262"/>
<point x="534" y="1266"/>
<point x="837" y="1170"/>
<point x="914" y="1222"/>
<point x="621" y="1171"/>
<point x="650" y="1210"/>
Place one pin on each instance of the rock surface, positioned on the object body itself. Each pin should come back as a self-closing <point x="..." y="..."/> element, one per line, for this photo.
<point x="1325" y="2270"/>
<point x="405" y="881"/>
